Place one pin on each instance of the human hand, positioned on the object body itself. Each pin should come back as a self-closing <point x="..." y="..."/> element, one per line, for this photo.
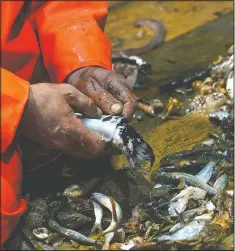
<point x="107" y="89"/>
<point x="49" y="118"/>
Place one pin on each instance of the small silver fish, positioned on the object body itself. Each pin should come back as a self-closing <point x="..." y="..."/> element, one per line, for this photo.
<point x="123" y="137"/>
<point x="115" y="209"/>
<point x="177" y="227"/>
<point x="200" y="180"/>
<point x="188" y="232"/>
<point x="71" y="234"/>
<point x="98" y="211"/>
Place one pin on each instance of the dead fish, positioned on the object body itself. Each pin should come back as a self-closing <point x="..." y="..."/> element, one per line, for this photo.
<point x="98" y="211"/>
<point x="114" y="208"/>
<point x="188" y="232"/>
<point x="177" y="227"/>
<point x="71" y="234"/>
<point x="200" y="180"/>
<point x="72" y="219"/>
<point x="179" y="202"/>
<point x="41" y="233"/>
<point x="123" y="137"/>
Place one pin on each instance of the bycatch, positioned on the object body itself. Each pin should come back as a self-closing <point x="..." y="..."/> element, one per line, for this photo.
<point x="123" y="137"/>
<point x="98" y="211"/>
<point x="113" y="207"/>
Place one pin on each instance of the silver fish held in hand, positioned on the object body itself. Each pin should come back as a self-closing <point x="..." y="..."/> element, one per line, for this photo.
<point x="123" y="137"/>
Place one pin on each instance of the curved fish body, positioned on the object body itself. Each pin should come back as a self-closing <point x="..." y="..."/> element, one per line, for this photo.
<point x="123" y="137"/>
<point x="114" y="208"/>
<point x="98" y="211"/>
<point x="178" y="226"/>
<point x="71" y="234"/>
<point x="188" y="232"/>
<point x="160" y="32"/>
<point x="190" y="179"/>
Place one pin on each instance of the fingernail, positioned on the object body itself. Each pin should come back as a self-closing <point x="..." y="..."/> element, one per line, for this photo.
<point x="116" y="108"/>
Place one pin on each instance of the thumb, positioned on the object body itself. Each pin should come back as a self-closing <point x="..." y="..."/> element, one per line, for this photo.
<point x="81" y="103"/>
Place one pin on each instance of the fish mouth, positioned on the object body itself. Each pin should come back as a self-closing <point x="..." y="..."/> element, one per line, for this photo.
<point x="135" y="148"/>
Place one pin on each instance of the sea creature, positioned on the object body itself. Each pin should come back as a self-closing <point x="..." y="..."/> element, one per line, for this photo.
<point x="71" y="234"/>
<point x="72" y="219"/>
<point x="188" y="232"/>
<point x="157" y="26"/>
<point x="98" y="211"/>
<point x="123" y="137"/>
<point x="200" y="180"/>
<point x="113" y="207"/>
<point x="41" y="233"/>
<point x="179" y="202"/>
<point x="179" y="226"/>
<point x="151" y="108"/>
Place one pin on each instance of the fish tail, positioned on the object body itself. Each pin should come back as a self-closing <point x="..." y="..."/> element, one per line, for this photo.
<point x="136" y="150"/>
<point x="96" y="227"/>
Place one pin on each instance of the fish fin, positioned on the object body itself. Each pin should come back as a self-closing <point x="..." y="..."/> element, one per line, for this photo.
<point x="96" y="227"/>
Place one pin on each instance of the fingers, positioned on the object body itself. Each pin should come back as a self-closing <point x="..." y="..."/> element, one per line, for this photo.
<point x="81" y="103"/>
<point x="102" y="98"/>
<point x="117" y="86"/>
<point x="80" y="141"/>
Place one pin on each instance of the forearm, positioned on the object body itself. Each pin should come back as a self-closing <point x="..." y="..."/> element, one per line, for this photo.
<point x="71" y="36"/>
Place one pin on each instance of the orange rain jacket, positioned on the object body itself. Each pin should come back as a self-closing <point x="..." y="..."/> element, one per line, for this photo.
<point x="40" y="38"/>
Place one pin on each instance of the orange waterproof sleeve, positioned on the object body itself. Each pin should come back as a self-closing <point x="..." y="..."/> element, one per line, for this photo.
<point x="14" y="95"/>
<point x="71" y="36"/>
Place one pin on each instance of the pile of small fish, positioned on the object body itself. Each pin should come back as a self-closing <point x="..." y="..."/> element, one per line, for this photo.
<point x="191" y="205"/>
